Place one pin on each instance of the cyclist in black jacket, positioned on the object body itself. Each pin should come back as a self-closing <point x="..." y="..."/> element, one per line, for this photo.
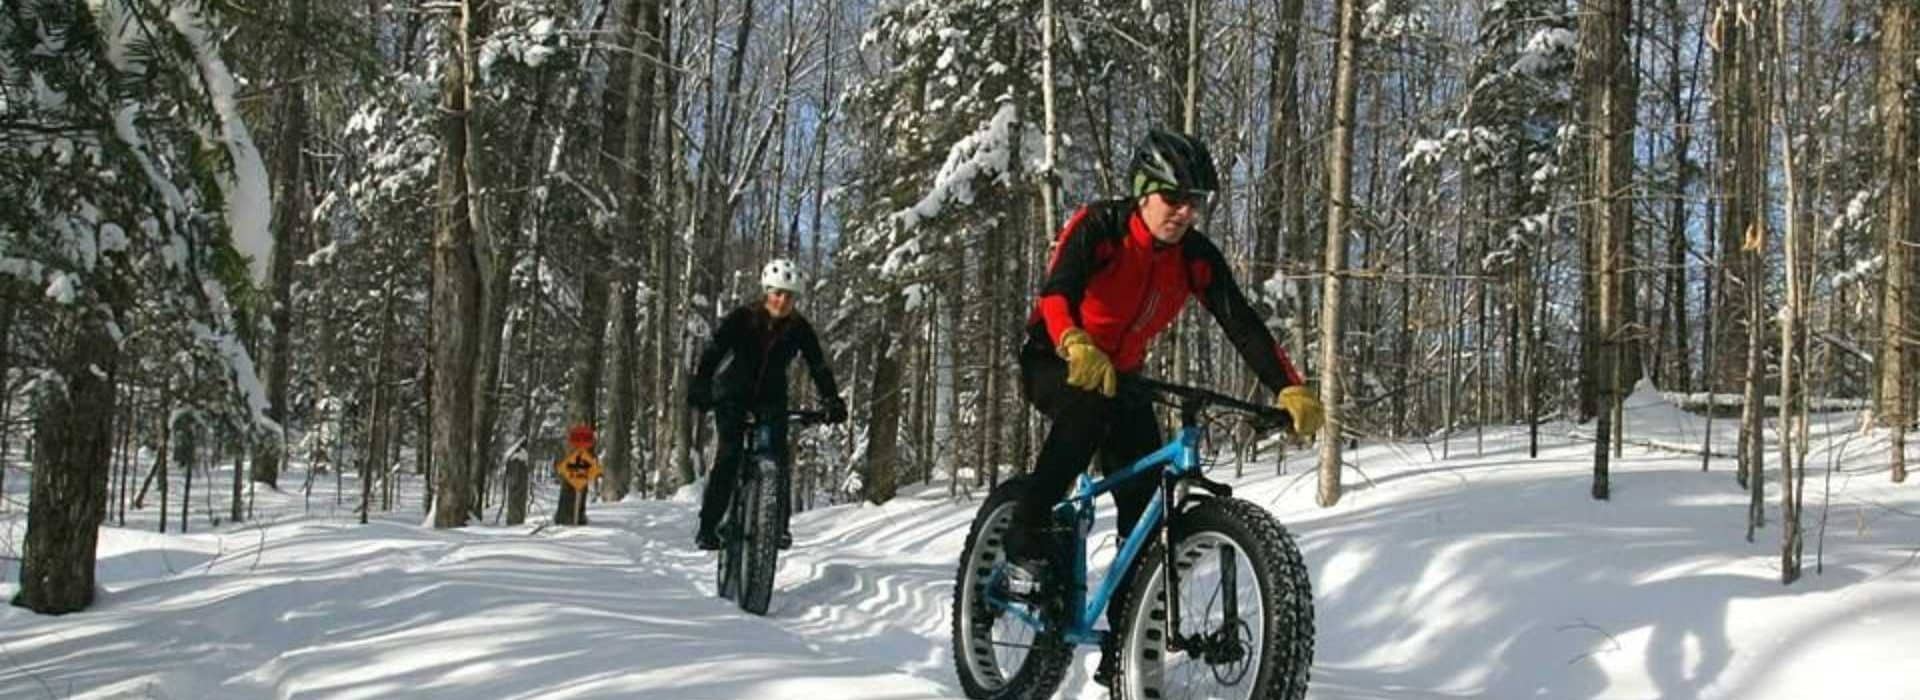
<point x="751" y="350"/>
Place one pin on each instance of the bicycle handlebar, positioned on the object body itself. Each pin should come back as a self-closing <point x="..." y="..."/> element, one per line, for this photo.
<point x="795" y="418"/>
<point x="806" y="418"/>
<point x="1193" y="400"/>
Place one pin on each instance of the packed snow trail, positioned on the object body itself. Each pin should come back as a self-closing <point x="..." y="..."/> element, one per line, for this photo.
<point x="1485" y="575"/>
<point x="391" y="610"/>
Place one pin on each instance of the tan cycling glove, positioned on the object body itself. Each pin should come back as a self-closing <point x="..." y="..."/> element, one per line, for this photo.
<point x="1087" y="366"/>
<point x="1305" y="409"/>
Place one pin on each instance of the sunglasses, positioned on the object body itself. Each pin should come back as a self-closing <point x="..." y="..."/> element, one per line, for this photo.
<point x="1187" y="198"/>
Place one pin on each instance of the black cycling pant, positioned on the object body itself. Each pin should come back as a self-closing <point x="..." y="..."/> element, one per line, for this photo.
<point x="1083" y="422"/>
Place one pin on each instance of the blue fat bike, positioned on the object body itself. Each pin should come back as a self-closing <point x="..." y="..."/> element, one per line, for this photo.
<point x="750" y="531"/>
<point x="1220" y="607"/>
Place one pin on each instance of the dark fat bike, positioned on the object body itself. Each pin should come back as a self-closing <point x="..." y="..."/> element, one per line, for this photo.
<point x="750" y="531"/>
<point x="1220" y="605"/>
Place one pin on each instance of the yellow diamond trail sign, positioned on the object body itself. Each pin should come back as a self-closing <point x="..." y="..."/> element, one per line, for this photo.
<point x="578" y="468"/>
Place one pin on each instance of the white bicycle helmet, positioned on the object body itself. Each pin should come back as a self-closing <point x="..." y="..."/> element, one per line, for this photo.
<point x="783" y="275"/>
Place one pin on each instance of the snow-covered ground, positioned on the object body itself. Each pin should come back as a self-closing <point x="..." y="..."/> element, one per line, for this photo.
<point x="1488" y="574"/>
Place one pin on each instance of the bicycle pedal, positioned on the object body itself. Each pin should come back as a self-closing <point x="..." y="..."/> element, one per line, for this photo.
<point x="1022" y="587"/>
<point x="1021" y="582"/>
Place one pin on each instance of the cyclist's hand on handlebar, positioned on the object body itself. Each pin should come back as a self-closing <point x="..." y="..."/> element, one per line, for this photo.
<point x="1304" y="408"/>
<point x="836" y="410"/>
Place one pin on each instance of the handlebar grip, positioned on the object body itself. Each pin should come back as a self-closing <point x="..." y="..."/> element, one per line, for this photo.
<point x="804" y="418"/>
<point x="1274" y="420"/>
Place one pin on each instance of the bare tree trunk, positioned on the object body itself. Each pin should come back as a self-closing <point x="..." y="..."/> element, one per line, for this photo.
<point x="1753" y="130"/>
<point x="186" y="449"/>
<point x="715" y="206"/>
<point x="1524" y="369"/>
<point x="1896" y="81"/>
<point x="74" y="432"/>
<point x="175" y="436"/>
<point x="494" y="300"/>
<point x="456" y="277"/>
<point x="1340" y="196"/>
<point x="1679" y="366"/>
<point x="956" y="454"/>
<point x="1277" y="178"/>
<point x="1752" y="431"/>
<point x="8" y="307"/>
<point x="619" y="428"/>
<point x="1403" y="348"/>
<point x="1607" y="112"/>
<point x="1736" y="109"/>
<point x="236" y="511"/>
<point x="917" y="435"/>
<point x="496" y="252"/>
<point x="518" y="472"/>
<point x="636" y="188"/>
<point x="1790" y="370"/>
<point x="1454" y="328"/>
<point x="396" y="431"/>
<point x="884" y="417"/>
<point x="159" y="467"/>
<point x="1180" y="334"/>
<point x="1709" y="363"/>
<point x="379" y="434"/>
<point x="1298" y="242"/>
<point x="1190" y="119"/>
<point x="423" y="440"/>
<point x="1026" y="265"/>
<point x="992" y="277"/>
<point x="589" y="360"/>
<point x="289" y="226"/>
<point x="129" y="456"/>
<point x="1050" y="177"/>
<point x="677" y="279"/>
<point x="239" y="467"/>
<point x="370" y="467"/>
<point x="189" y="459"/>
<point x="1536" y="366"/>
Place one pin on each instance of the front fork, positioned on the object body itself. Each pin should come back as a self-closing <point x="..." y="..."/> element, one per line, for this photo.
<point x="1168" y="491"/>
<point x="1172" y="493"/>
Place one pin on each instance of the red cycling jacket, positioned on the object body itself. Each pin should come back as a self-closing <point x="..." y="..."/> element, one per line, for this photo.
<point x="1110" y="277"/>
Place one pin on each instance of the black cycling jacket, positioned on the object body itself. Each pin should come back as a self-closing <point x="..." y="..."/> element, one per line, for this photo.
<point x="751" y="351"/>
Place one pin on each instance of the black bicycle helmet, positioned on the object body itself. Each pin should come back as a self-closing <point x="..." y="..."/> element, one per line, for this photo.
<point x="1167" y="160"/>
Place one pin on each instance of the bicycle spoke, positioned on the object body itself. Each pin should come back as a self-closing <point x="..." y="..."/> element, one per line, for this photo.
<point x="1220" y="648"/>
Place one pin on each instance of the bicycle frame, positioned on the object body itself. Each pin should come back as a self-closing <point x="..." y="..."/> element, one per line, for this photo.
<point x="759" y="445"/>
<point x="1181" y="457"/>
<point x="747" y="535"/>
